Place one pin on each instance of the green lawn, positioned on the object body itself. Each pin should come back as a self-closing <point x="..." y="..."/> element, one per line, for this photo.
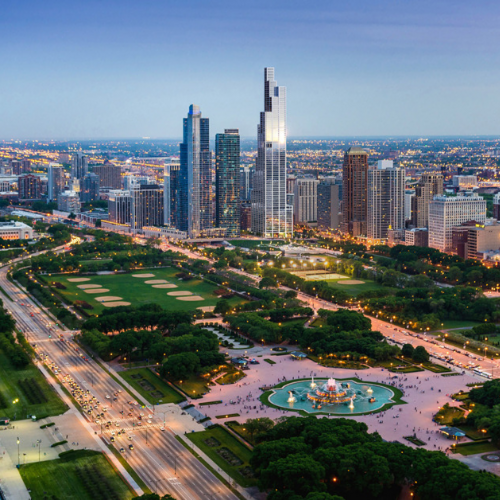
<point x="216" y="440"/>
<point x="9" y="379"/>
<point x="137" y="292"/>
<point x="448" y="324"/>
<point x="445" y="416"/>
<point x="195" y="387"/>
<point x="230" y="377"/>
<point x="355" y="289"/>
<point x="475" y="448"/>
<point x="151" y="386"/>
<point x="256" y="244"/>
<point x="59" y="479"/>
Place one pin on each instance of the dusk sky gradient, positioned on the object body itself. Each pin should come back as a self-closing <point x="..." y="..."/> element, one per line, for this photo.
<point x="130" y="68"/>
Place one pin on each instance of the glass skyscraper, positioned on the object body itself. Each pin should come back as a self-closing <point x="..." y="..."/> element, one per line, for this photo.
<point x="272" y="216"/>
<point x="195" y="178"/>
<point x="227" y="182"/>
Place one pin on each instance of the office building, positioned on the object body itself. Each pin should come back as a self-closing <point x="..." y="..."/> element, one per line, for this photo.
<point x="466" y="182"/>
<point x="132" y="180"/>
<point x="120" y="207"/>
<point x="110" y="175"/>
<point x="79" y="166"/>
<point x="386" y="200"/>
<point x="448" y="212"/>
<point x="56" y="181"/>
<point x="272" y="216"/>
<point x="16" y="167"/>
<point x="13" y="230"/>
<point x="89" y="188"/>
<point x="68" y="201"/>
<point x="195" y="209"/>
<point x="245" y="216"/>
<point x="305" y="199"/>
<point x="29" y="187"/>
<point x="246" y="182"/>
<point x="227" y="182"/>
<point x="496" y="206"/>
<point x="477" y="241"/>
<point x="354" y="199"/>
<point x="409" y="194"/>
<point x="146" y="206"/>
<point x="427" y="187"/>
<point x="328" y="204"/>
<point x="417" y="236"/>
<point x="25" y="166"/>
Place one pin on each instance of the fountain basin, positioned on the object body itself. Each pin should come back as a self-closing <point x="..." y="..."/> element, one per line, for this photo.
<point x="367" y="398"/>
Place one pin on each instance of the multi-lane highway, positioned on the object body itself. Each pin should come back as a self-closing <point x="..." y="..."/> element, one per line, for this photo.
<point x="162" y="462"/>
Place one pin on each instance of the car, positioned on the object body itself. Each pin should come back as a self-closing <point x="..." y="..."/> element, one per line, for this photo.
<point x="162" y="428"/>
<point x="108" y="396"/>
<point x="112" y="439"/>
<point x="149" y="422"/>
<point x="122" y="450"/>
<point x="130" y="446"/>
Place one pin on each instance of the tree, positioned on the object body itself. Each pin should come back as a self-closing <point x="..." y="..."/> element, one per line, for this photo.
<point x="267" y="282"/>
<point x="420" y="354"/>
<point x="455" y="275"/>
<point x="180" y="366"/>
<point x="291" y="294"/>
<point x="256" y="425"/>
<point x="407" y="350"/>
<point x="222" y="307"/>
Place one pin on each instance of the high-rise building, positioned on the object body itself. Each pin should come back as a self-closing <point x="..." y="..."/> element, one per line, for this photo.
<point x="146" y="206"/>
<point x="427" y="187"/>
<point x="246" y="181"/>
<point x="272" y="216"/>
<point x="465" y="182"/>
<point x="69" y="201"/>
<point x="16" y="166"/>
<point x="245" y="216"/>
<point x="409" y="194"/>
<point x="354" y="197"/>
<point x="448" y="212"/>
<point x="195" y="212"/>
<point x="29" y="187"/>
<point x="386" y="200"/>
<point x="89" y="188"/>
<point x="496" y="206"/>
<point x="26" y="166"/>
<point x="305" y="198"/>
<point x="56" y="181"/>
<point x="227" y="182"/>
<point x="120" y="207"/>
<point x="110" y="175"/>
<point x="79" y="166"/>
<point x="328" y="204"/>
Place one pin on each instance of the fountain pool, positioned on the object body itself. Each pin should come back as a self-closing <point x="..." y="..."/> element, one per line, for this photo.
<point x="335" y="397"/>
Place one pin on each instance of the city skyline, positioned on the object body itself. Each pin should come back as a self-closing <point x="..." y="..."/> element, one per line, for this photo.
<point x="379" y="70"/>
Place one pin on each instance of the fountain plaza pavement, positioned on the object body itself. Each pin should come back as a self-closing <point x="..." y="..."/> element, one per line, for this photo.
<point x="424" y="392"/>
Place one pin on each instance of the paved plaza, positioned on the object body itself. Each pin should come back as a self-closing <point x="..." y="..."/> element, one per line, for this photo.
<point x="424" y="392"/>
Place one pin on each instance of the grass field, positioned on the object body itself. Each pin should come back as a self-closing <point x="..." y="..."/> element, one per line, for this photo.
<point x="255" y="244"/>
<point x="214" y="442"/>
<point x="448" y="324"/>
<point x="9" y="379"/>
<point x="475" y="448"/>
<point x="355" y="289"/>
<point x="138" y="292"/>
<point x="194" y="386"/>
<point x="151" y="387"/>
<point x="59" y="479"/>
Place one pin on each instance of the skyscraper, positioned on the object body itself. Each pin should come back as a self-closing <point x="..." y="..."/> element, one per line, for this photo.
<point x="428" y="186"/>
<point x="89" y="188"/>
<point x="328" y="204"/>
<point x="146" y="206"/>
<point x="56" y="181"/>
<point x="386" y="200"/>
<point x="305" y="198"/>
<point x="354" y="192"/>
<point x="272" y="216"/>
<point x="246" y="182"/>
<point x="79" y="166"/>
<point x="227" y="182"/>
<point x="29" y="187"/>
<point x="110" y="176"/>
<point x="195" y="212"/>
<point x="119" y="207"/>
<point x="170" y="191"/>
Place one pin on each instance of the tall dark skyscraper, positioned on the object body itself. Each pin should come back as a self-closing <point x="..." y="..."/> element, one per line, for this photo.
<point x="89" y="188"/>
<point x="272" y="216"/>
<point x="354" y="202"/>
<point x="79" y="166"/>
<point x="328" y="204"/>
<point x="227" y="181"/>
<point x="195" y="213"/>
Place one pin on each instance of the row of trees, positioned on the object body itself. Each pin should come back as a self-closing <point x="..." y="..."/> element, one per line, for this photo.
<point x="322" y="459"/>
<point x="13" y="350"/>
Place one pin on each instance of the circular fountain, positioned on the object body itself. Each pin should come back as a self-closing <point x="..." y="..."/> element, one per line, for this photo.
<point x="330" y="393"/>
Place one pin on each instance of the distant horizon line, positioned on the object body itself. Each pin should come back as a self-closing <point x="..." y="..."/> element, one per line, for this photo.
<point x="289" y="138"/>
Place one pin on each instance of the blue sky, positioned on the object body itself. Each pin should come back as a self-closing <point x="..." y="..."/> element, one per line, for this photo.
<point x="130" y="68"/>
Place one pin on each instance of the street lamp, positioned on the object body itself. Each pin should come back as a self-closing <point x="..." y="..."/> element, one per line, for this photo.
<point x="175" y="462"/>
<point x="18" y="455"/>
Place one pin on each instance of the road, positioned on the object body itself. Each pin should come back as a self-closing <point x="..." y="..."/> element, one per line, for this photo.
<point x="163" y="463"/>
